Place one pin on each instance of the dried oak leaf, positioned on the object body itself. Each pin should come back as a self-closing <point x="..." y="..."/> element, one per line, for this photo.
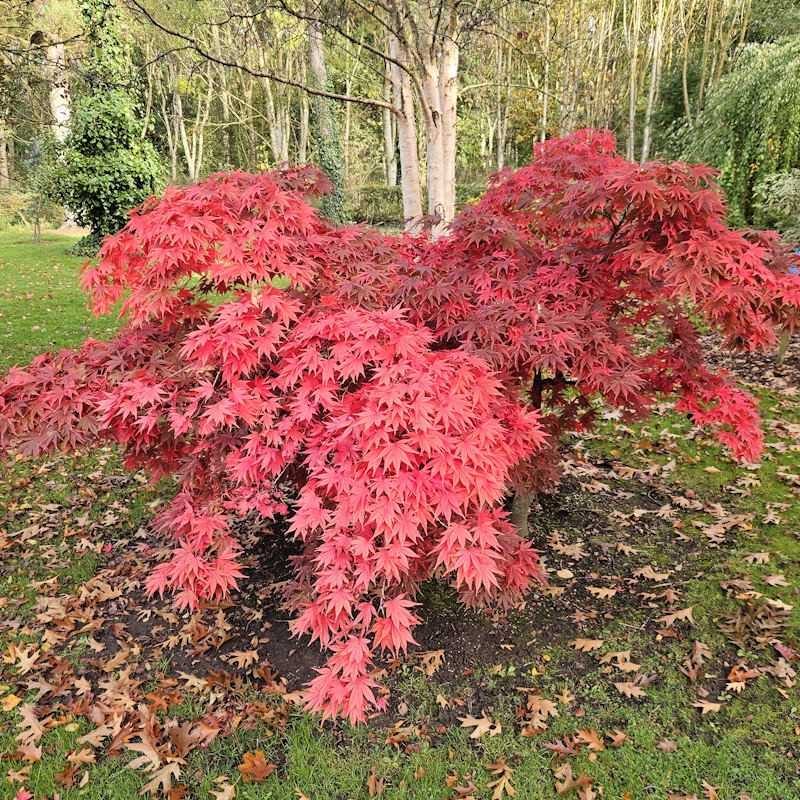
<point x="600" y="592"/>
<point x="225" y="792"/>
<point x="617" y="738"/>
<point x="431" y="661"/>
<point x="162" y="779"/>
<point x="375" y="785"/>
<point x="667" y="745"/>
<point x="255" y="767"/>
<point x="706" y="706"/>
<point x="630" y="689"/>
<point x="535" y="712"/>
<point x="589" y="737"/>
<point x="502" y="785"/>
<point x="684" y="614"/>
<point x="566" y="783"/>
<point x="586" y="645"/>
<point x="482" y="725"/>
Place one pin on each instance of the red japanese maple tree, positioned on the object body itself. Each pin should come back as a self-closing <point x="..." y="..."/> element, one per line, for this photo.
<point x="585" y="276"/>
<point x="389" y="392"/>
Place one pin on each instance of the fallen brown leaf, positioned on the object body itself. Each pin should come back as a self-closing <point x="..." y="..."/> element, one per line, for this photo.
<point x="630" y="689"/>
<point x="482" y="725"/>
<point x="706" y="706"/>
<point x="586" y="645"/>
<point x="255" y="767"/>
<point x="667" y="745"/>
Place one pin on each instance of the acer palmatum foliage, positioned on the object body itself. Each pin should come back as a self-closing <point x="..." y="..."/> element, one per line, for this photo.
<point x="387" y="392"/>
<point x="395" y="457"/>
<point x="584" y="275"/>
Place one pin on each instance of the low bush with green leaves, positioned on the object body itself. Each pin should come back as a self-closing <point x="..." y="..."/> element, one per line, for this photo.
<point x="777" y="204"/>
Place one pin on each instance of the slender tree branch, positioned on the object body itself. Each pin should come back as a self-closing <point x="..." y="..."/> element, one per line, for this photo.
<point x="201" y="50"/>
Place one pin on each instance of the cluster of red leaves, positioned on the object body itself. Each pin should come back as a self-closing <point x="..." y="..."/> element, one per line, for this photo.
<point x="391" y="389"/>
<point x="586" y="275"/>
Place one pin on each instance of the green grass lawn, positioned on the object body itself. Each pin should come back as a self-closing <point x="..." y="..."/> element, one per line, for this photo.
<point x="647" y="498"/>
<point x="42" y="306"/>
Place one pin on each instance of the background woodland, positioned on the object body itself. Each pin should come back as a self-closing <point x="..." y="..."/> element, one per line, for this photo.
<point x="406" y="105"/>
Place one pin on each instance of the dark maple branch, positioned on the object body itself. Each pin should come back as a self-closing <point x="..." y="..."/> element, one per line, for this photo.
<point x="540" y="385"/>
<point x="616" y="227"/>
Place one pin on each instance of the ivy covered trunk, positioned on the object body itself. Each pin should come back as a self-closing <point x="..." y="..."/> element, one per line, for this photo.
<point x="329" y="146"/>
<point x="104" y="167"/>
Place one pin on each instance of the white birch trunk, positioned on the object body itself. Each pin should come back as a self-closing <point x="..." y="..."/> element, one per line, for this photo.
<point x="172" y="141"/>
<point x="348" y="86"/>
<point x="546" y="76"/>
<point x="60" y="103"/>
<point x="448" y="89"/>
<point x="389" y="134"/>
<point x="60" y="107"/>
<point x="5" y="181"/>
<point x="655" y="73"/>
<point x="633" y="94"/>
<point x="407" y="138"/>
<point x="434" y="141"/>
<point x="180" y="123"/>
<point x="302" y="145"/>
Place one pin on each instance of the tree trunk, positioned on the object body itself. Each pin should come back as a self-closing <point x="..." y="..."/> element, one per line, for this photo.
<point x="248" y="141"/>
<point x="279" y="127"/>
<point x="346" y="136"/>
<point x="5" y="181"/>
<point x="633" y="95"/>
<point x="275" y="143"/>
<point x="60" y="110"/>
<point x="407" y="138"/>
<point x="448" y="88"/>
<point x="655" y="73"/>
<point x="226" y="118"/>
<point x="201" y="120"/>
<point x="568" y="84"/>
<point x="180" y="124"/>
<point x="199" y="125"/>
<point x="389" y="134"/>
<point x="434" y="141"/>
<point x="329" y="148"/>
<point x="440" y="96"/>
<point x="60" y="102"/>
<point x="706" y="50"/>
<point x="149" y="95"/>
<point x="224" y="96"/>
<point x="302" y="145"/>
<point x="172" y="140"/>
<point x="520" y="511"/>
<point x="546" y="76"/>
<point x="687" y="107"/>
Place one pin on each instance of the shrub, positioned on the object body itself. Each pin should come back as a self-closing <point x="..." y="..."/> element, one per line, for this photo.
<point x="104" y="168"/>
<point x="777" y="204"/>
<point x="389" y="390"/>
<point x="375" y="205"/>
<point x="383" y="205"/>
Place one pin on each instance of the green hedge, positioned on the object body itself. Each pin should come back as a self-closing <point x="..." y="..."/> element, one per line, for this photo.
<point x="383" y="205"/>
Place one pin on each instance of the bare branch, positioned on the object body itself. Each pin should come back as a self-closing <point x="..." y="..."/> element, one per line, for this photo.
<point x="201" y="50"/>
